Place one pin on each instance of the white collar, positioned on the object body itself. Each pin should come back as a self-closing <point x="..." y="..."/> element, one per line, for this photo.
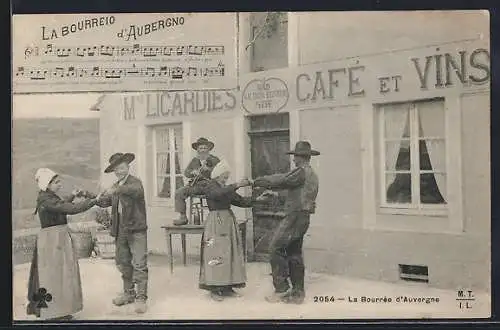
<point x="124" y="179"/>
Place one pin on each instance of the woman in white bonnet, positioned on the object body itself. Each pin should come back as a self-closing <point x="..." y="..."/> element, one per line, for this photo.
<point x="54" y="271"/>
<point x="222" y="262"/>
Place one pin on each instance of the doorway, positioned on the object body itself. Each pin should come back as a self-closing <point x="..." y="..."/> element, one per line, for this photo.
<point x="269" y="142"/>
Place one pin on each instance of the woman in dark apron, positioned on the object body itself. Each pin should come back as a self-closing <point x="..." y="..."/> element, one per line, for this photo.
<point x="54" y="287"/>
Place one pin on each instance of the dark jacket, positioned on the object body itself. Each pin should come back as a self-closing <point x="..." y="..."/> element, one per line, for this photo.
<point x="131" y="196"/>
<point x="195" y="164"/>
<point x="222" y="197"/>
<point x="301" y="183"/>
<point x="53" y="210"/>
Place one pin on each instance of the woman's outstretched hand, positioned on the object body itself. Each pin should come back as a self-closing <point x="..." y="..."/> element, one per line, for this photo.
<point x="99" y="196"/>
<point x="266" y="195"/>
<point x="244" y="183"/>
<point x="77" y="192"/>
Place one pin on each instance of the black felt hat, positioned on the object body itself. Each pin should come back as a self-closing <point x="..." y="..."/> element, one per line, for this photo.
<point x="203" y="141"/>
<point x="118" y="158"/>
<point x="303" y="148"/>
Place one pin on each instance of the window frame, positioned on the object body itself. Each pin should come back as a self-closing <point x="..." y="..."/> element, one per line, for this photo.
<point x="171" y="133"/>
<point x="418" y="208"/>
<point x="252" y="29"/>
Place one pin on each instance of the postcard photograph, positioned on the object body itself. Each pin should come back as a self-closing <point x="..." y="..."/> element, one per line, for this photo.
<point x="248" y="166"/>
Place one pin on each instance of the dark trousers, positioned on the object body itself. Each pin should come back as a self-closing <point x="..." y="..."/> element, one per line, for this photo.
<point x="132" y="261"/>
<point x="286" y="252"/>
<point x="182" y="194"/>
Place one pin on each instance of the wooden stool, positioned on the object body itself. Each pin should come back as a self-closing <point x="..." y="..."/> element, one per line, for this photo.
<point x="197" y="206"/>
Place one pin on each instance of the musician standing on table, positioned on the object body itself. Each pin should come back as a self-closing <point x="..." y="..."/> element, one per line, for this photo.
<point x="198" y="171"/>
<point x="286" y="244"/>
<point x="129" y="227"/>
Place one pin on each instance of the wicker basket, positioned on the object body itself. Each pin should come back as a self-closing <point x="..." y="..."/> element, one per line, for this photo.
<point x="105" y="244"/>
<point x="83" y="243"/>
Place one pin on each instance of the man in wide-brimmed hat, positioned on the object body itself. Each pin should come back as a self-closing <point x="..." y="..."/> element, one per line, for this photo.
<point x="129" y="227"/>
<point x="197" y="171"/>
<point x="286" y="245"/>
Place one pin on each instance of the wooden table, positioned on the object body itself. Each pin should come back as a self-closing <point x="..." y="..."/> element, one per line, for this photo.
<point x="191" y="230"/>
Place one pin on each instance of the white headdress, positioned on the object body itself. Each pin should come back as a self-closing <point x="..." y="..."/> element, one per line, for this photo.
<point x="221" y="168"/>
<point x="43" y="177"/>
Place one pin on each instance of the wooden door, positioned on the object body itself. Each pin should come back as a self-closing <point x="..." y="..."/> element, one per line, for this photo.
<point x="268" y="156"/>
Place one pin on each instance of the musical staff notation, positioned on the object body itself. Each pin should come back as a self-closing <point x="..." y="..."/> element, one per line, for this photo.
<point x="97" y="72"/>
<point x="129" y="50"/>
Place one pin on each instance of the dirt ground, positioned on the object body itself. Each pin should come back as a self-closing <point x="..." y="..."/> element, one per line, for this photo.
<point x="177" y="297"/>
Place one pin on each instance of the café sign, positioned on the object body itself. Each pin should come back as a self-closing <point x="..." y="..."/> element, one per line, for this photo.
<point x="423" y="73"/>
<point x="265" y="95"/>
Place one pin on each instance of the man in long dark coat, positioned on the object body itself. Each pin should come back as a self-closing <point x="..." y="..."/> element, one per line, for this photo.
<point x="286" y="245"/>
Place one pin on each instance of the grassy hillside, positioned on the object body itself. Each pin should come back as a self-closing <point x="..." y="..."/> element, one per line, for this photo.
<point x="69" y="146"/>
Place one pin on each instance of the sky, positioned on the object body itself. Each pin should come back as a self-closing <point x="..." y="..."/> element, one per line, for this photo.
<point x="54" y="105"/>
